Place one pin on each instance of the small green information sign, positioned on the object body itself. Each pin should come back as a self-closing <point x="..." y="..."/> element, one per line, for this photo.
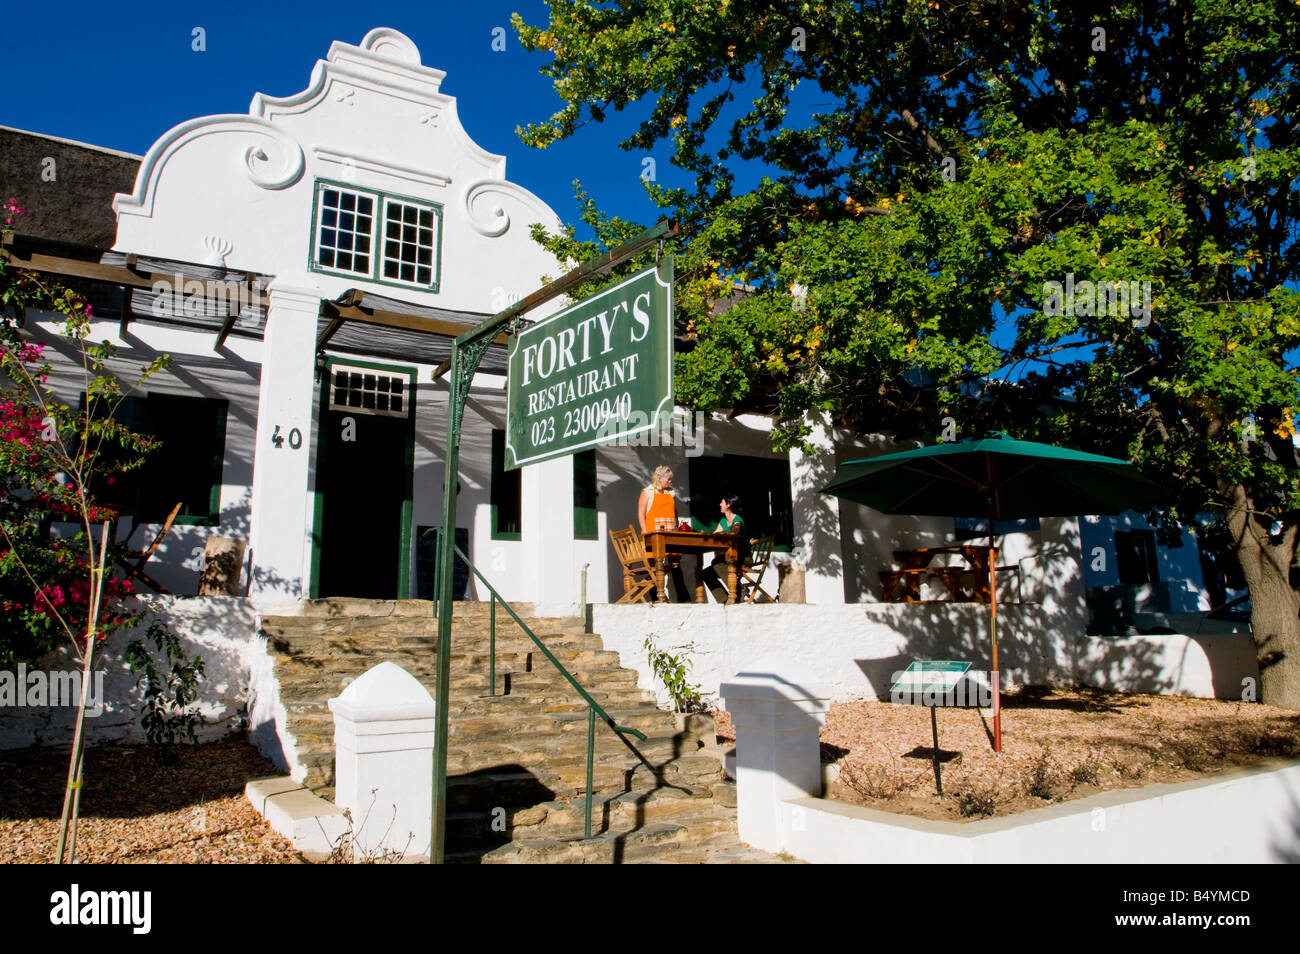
<point x="593" y="373"/>
<point x="929" y="676"/>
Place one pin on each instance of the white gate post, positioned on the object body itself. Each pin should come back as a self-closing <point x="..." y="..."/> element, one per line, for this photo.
<point x="778" y="713"/>
<point x="383" y="766"/>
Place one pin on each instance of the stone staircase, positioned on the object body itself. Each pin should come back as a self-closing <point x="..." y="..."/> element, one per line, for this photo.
<point x="517" y="761"/>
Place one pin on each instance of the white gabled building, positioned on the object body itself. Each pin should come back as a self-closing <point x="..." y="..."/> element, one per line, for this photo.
<point x="306" y="266"/>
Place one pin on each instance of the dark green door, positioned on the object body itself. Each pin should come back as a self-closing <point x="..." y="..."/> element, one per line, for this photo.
<point x="364" y="483"/>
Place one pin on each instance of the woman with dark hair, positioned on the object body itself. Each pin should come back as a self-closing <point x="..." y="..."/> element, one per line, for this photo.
<point x="731" y="522"/>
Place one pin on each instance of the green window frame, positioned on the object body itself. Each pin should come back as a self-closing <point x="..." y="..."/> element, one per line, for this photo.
<point x="586" y="523"/>
<point x="375" y="236"/>
<point x="186" y="467"/>
<point x="506" y="490"/>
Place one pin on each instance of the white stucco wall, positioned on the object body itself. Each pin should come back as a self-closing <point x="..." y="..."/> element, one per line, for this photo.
<point x="219" y="629"/>
<point x="856" y="649"/>
<point x="1250" y="817"/>
<point x="196" y="371"/>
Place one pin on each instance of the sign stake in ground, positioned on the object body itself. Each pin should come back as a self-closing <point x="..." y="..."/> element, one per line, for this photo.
<point x="929" y="681"/>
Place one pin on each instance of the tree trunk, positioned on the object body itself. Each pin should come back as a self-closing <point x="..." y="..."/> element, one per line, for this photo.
<point x="1275" y="605"/>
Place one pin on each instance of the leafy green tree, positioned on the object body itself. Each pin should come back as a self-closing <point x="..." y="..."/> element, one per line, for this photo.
<point x="961" y="209"/>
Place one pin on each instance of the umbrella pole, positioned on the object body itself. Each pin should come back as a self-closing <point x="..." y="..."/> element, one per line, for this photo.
<point x="993" y="605"/>
<point x="997" y="689"/>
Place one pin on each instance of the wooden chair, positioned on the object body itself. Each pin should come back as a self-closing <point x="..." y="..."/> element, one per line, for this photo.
<point x="134" y="560"/>
<point x="751" y="571"/>
<point x="638" y="578"/>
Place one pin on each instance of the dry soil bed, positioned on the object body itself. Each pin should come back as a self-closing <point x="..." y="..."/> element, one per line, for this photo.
<point x="135" y="808"/>
<point x="1057" y="744"/>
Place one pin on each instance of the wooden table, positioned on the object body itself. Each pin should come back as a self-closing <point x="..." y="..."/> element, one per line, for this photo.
<point x="915" y="565"/>
<point x="662" y="542"/>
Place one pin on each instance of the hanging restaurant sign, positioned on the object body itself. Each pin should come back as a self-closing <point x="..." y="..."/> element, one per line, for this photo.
<point x="593" y="373"/>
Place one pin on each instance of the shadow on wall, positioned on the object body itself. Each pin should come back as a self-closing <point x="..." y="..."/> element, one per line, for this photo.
<point x="1287" y="847"/>
<point x="217" y="629"/>
<point x="774" y="711"/>
<point x="178" y="561"/>
<point x="817" y="531"/>
<point x="1041" y="641"/>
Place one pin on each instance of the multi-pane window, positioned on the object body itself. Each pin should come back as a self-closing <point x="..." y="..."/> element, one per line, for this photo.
<point x="409" y="242"/>
<point x="347" y="223"/>
<point x="184" y="468"/>
<point x="371" y="235"/>
<point x="367" y="391"/>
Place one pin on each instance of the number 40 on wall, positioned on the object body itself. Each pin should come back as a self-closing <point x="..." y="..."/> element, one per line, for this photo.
<point x="295" y="438"/>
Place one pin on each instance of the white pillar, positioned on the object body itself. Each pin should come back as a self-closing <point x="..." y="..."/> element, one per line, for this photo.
<point x="778" y="712"/>
<point x="551" y="569"/>
<point x="383" y="762"/>
<point x="280" y="534"/>
<point x="817" y="517"/>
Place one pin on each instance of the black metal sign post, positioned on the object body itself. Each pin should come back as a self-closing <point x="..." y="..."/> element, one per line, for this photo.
<point x="934" y="727"/>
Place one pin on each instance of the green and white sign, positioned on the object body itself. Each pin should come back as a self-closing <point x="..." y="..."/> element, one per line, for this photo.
<point x="929" y="676"/>
<point x="595" y="372"/>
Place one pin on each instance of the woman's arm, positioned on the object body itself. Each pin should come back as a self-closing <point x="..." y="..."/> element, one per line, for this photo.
<point x="640" y="511"/>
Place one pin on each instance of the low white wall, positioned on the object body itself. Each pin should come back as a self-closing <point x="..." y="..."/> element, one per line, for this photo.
<point x="268" y="719"/>
<point x="1248" y="817"/>
<point x="219" y="629"/>
<point x="855" y="649"/>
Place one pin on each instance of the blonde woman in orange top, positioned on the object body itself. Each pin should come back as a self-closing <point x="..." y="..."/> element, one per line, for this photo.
<point x="657" y="510"/>
<point x="657" y="507"/>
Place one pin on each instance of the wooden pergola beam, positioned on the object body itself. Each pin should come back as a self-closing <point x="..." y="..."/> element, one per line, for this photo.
<point x="124" y="276"/>
<point x="128" y="277"/>
<point x="393" y="319"/>
<point x="334" y="325"/>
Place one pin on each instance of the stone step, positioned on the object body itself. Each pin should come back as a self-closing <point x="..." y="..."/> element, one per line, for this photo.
<point x="462" y="661"/>
<point x="654" y="841"/>
<point x="349" y="607"/>
<point x="527" y="724"/>
<point x="469" y="702"/>
<point x="517" y="761"/>
<point x="524" y="729"/>
<point x="464" y="688"/>
<point x="410" y="634"/>
<point x="624" y="814"/>
<point x="564" y="755"/>
<point x="474" y="625"/>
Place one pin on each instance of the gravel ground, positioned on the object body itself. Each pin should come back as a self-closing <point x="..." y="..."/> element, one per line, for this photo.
<point x="1057" y="744"/>
<point x="135" y="809"/>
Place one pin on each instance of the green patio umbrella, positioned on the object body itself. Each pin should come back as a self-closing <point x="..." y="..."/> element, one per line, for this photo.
<point x="994" y="477"/>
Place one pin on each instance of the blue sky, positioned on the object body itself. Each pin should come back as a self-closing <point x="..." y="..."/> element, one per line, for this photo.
<point x="120" y="76"/>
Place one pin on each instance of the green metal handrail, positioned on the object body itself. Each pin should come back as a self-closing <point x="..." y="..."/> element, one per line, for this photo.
<point x="593" y="707"/>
